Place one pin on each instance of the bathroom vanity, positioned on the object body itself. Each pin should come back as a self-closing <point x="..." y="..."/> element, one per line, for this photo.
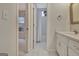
<point x="67" y="43"/>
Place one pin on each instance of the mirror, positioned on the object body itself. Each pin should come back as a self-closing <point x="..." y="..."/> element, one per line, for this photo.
<point x="74" y="13"/>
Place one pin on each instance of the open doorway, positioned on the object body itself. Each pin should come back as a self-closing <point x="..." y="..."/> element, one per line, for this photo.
<point x="22" y="29"/>
<point x="21" y="32"/>
<point x="41" y="26"/>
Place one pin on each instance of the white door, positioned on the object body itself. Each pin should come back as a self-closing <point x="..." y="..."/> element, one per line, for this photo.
<point x="62" y="45"/>
<point x="30" y="42"/>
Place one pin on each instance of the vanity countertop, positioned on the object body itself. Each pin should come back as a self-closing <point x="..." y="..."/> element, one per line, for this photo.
<point x="71" y="35"/>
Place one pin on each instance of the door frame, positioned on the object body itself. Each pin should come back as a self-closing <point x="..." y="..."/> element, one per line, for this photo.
<point x="30" y="27"/>
<point x="34" y="24"/>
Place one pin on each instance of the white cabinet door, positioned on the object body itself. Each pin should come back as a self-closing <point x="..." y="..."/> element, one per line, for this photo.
<point x="73" y="48"/>
<point x="72" y="52"/>
<point x="58" y="45"/>
<point x="62" y="43"/>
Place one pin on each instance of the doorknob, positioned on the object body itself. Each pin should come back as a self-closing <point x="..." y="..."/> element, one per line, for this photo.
<point x="26" y="28"/>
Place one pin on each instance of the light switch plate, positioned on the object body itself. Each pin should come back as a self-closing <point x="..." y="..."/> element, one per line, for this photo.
<point x="5" y="14"/>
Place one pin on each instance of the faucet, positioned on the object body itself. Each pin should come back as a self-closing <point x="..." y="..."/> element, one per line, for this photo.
<point x="75" y="31"/>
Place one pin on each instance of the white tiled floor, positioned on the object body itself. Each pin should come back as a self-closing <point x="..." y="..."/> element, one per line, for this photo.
<point x="21" y="47"/>
<point x="41" y="45"/>
<point x="40" y="52"/>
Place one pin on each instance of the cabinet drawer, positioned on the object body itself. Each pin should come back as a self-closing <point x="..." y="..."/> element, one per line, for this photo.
<point x="74" y="45"/>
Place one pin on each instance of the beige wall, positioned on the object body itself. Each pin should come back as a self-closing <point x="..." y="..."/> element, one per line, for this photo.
<point x="54" y="10"/>
<point x="22" y="6"/>
<point x="41" y="5"/>
<point x="8" y="29"/>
